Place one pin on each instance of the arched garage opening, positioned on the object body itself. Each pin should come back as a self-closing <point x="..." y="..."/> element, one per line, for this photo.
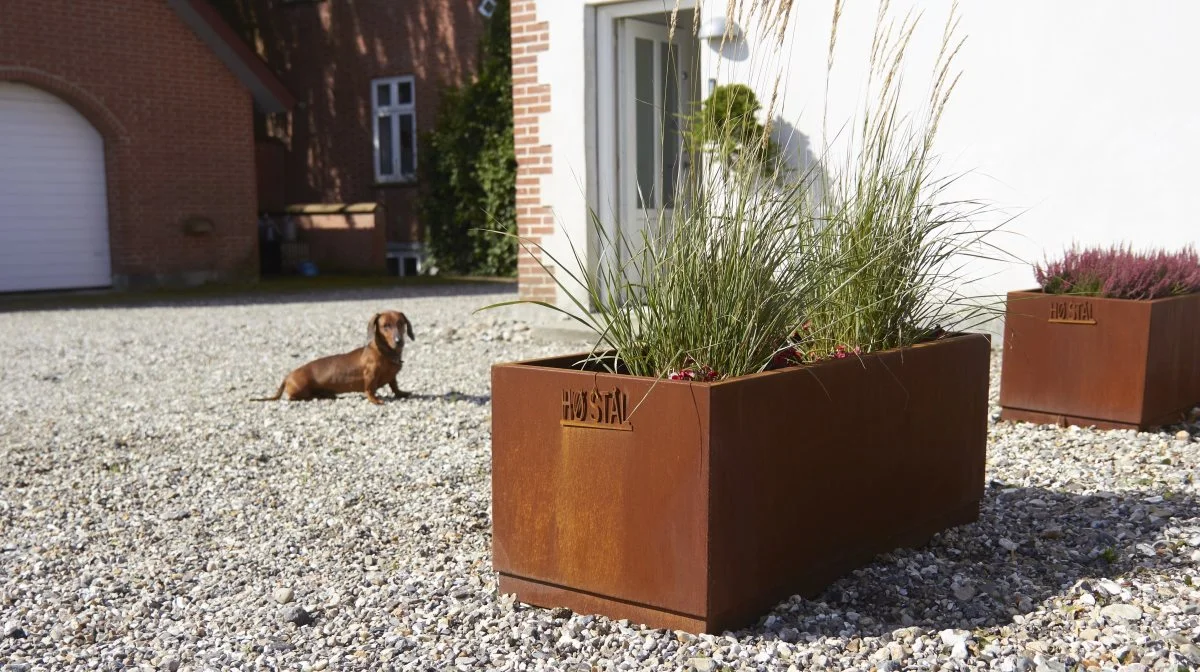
<point x="53" y="196"/>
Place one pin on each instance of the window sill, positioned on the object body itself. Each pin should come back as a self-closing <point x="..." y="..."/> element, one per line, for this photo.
<point x="390" y="184"/>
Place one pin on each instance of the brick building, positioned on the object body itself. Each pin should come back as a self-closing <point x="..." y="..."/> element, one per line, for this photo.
<point x="367" y="76"/>
<point x="133" y="133"/>
<point x="531" y="102"/>
<point x="126" y="144"/>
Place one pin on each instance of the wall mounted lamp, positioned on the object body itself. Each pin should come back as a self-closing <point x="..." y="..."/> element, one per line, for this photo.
<point x="718" y="29"/>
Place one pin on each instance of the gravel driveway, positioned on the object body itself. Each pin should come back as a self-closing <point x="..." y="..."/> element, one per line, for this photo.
<point x="152" y="517"/>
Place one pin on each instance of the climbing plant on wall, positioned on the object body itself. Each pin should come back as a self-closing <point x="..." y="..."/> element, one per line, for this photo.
<point x="469" y="168"/>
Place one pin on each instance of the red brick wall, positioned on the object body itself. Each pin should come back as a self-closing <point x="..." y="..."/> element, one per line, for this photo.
<point x="327" y="52"/>
<point x="349" y="240"/>
<point x="531" y="101"/>
<point x="177" y="126"/>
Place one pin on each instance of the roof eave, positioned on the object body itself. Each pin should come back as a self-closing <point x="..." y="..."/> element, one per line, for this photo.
<point x="270" y="93"/>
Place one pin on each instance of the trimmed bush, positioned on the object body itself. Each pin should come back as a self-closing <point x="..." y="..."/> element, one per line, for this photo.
<point x="726" y="125"/>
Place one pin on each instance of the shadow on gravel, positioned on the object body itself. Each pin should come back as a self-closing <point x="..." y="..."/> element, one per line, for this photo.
<point x="292" y="292"/>
<point x="967" y="577"/>
<point x="453" y="396"/>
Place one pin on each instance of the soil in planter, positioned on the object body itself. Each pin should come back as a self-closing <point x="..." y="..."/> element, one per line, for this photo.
<point x="605" y="363"/>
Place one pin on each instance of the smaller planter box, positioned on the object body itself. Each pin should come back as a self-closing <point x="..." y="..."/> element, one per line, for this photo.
<point x="1112" y="363"/>
<point x="700" y="506"/>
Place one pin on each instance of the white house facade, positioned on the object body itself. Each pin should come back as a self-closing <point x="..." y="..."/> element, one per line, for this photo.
<point x="1076" y="120"/>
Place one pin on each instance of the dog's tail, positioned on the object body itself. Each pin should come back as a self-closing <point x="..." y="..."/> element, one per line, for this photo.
<point x="278" y="393"/>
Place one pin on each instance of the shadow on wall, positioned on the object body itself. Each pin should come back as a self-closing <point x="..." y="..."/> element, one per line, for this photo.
<point x="735" y="51"/>
<point x="795" y="146"/>
<point x="797" y="151"/>
<point x="327" y="53"/>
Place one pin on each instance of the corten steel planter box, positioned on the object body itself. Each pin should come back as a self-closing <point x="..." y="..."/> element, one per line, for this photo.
<point x="1112" y="363"/>
<point x="712" y="502"/>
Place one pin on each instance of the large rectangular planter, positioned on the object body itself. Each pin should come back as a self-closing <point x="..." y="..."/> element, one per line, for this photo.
<point x="699" y="506"/>
<point x="1111" y="363"/>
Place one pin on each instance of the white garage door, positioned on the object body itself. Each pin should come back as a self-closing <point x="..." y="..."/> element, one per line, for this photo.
<point x="53" y="202"/>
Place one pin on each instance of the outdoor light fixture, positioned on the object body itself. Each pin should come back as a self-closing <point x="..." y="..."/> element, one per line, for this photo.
<point x="719" y="29"/>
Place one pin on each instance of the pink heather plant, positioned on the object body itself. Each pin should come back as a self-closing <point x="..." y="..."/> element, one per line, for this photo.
<point x="1121" y="273"/>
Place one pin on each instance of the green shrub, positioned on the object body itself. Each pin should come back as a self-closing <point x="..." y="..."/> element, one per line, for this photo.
<point x="726" y="126"/>
<point x="469" y="168"/>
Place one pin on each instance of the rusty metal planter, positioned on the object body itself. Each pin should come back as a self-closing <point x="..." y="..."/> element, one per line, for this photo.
<point x="1112" y="363"/>
<point x="712" y="502"/>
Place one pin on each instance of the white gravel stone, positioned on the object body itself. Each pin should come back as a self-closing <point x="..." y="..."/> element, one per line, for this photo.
<point x="149" y="512"/>
<point x="1121" y="612"/>
<point x="953" y="637"/>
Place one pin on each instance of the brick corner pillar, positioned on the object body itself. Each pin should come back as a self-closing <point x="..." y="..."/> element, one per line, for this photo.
<point x="531" y="101"/>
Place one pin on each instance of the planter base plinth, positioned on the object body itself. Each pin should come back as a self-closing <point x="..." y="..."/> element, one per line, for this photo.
<point x="813" y="577"/>
<point x="549" y="596"/>
<point x="1041" y="418"/>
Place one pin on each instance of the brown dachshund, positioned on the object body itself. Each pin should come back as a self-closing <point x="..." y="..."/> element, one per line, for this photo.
<point x="363" y="370"/>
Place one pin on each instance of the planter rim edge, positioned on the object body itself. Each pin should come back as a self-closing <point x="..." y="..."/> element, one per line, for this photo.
<point x="1032" y="293"/>
<point x="949" y="338"/>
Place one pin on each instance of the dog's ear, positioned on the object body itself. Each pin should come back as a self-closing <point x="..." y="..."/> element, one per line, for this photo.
<point x="373" y="327"/>
<point x="408" y="326"/>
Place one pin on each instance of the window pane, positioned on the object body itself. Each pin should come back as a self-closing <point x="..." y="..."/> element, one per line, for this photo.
<point x="386" y="144"/>
<point x="643" y="75"/>
<point x="408" y="155"/>
<point x="670" y="123"/>
<point x="383" y="95"/>
<point x="404" y="93"/>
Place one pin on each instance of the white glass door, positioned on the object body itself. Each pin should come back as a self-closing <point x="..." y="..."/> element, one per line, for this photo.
<point x="654" y="88"/>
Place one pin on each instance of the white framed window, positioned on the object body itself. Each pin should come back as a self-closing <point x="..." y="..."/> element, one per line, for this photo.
<point x="486" y="7"/>
<point x="393" y="100"/>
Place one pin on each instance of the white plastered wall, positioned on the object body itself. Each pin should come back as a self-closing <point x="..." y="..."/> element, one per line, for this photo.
<point x="1076" y="118"/>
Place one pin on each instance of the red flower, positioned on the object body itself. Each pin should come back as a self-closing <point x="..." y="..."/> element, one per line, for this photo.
<point x="790" y="356"/>
<point x="702" y="373"/>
